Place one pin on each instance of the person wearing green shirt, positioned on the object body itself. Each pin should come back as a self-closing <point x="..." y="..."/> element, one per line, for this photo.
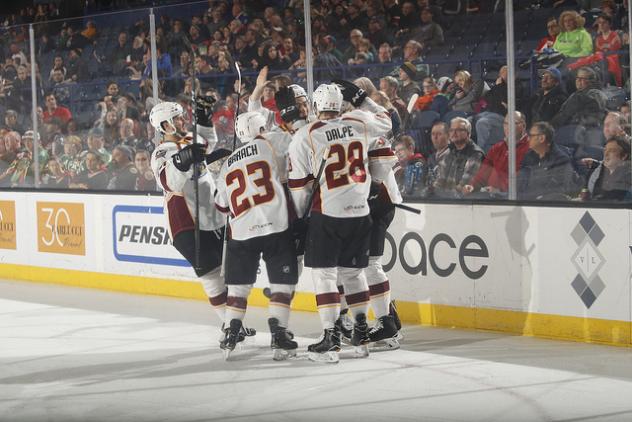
<point x="574" y="40"/>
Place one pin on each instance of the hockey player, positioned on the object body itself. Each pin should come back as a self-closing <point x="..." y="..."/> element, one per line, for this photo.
<point x="250" y="187"/>
<point x="332" y="154"/>
<point x="172" y="164"/>
<point x="291" y="116"/>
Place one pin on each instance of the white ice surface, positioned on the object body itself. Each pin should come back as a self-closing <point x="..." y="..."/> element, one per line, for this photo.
<point x="70" y="354"/>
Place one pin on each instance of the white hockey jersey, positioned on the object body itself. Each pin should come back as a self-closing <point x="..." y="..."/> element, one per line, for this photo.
<point x="270" y="116"/>
<point x="250" y="187"/>
<point x="349" y="141"/>
<point x="179" y="192"/>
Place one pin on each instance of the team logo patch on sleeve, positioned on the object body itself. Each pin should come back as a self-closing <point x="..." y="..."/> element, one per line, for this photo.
<point x="161" y="153"/>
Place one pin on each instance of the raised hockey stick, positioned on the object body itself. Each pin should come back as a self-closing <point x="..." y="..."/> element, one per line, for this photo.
<point x="225" y="246"/>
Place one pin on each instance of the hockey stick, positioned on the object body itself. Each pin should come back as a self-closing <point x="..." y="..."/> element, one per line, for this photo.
<point x="196" y="168"/>
<point x="407" y="208"/>
<point x="225" y="245"/>
<point x="316" y="185"/>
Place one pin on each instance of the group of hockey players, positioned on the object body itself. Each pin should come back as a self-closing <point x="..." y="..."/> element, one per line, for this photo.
<point x="320" y="193"/>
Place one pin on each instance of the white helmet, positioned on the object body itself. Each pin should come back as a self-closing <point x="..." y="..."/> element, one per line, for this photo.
<point x="298" y="90"/>
<point x="248" y="125"/>
<point x="328" y="98"/>
<point x="164" y="112"/>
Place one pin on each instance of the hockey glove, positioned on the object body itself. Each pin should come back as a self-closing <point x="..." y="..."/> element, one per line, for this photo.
<point x="188" y="155"/>
<point x="204" y="110"/>
<point x="351" y="92"/>
<point x="286" y="103"/>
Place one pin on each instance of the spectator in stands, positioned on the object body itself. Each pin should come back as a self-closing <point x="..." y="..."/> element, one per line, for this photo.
<point x="74" y="39"/>
<point x="429" y="32"/>
<point x="407" y="86"/>
<point x="58" y="64"/>
<point x="215" y="20"/>
<point x="441" y="101"/>
<point x="412" y="53"/>
<point x="440" y="136"/>
<point x="123" y="174"/>
<point x="273" y="59"/>
<point x="77" y="69"/>
<point x="11" y="123"/>
<point x="110" y="126"/>
<point x="289" y="50"/>
<point x="55" y="177"/>
<point x="408" y="17"/>
<point x="611" y="179"/>
<point x="468" y="92"/>
<point x="163" y="64"/>
<point x="126" y="134"/>
<point x="239" y="13"/>
<point x="430" y="90"/>
<point x="553" y="30"/>
<point x="146" y="180"/>
<point x="586" y="106"/>
<point x="377" y="35"/>
<point x="389" y="86"/>
<point x="546" y="171"/>
<point x="54" y="110"/>
<point x="71" y="159"/>
<point x="492" y="177"/>
<point x="93" y="176"/>
<point x="625" y="110"/>
<point x="28" y="145"/>
<point x="60" y="88"/>
<point x="410" y="171"/>
<point x="461" y="163"/>
<point x="615" y="125"/>
<point x="90" y="31"/>
<point x="119" y="56"/>
<point x="548" y="100"/>
<point x="96" y="142"/>
<point x="574" y="40"/>
<point x="489" y="123"/>
<point x="355" y="37"/>
<point x="18" y="91"/>
<point x="176" y="39"/>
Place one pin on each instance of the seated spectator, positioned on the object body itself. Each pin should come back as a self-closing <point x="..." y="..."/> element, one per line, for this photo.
<point x="461" y="163"/>
<point x="59" y="88"/>
<point x="146" y="180"/>
<point x="12" y="142"/>
<point x="77" y="69"/>
<point x="468" y="92"/>
<point x="441" y="101"/>
<point x="71" y="159"/>
<point x="615" y="125"/>
<point x="440" y="136"/>
<point x="611" y="179"/>
<point x="93" y="176"/>
<point x="273" y="59"/>
<point x="163" y="63"/>
<point x="389" y="86"/>
<point x="96" y="143"/>
<point x="123" y="174"/>
<point x="492" y="177"/>
<point x="55" y="111"/>
<point x="553" y="30"/>
<point x="58" y="64"/>
<point x="118" y="58"/>
<point x="429" y="32"/>
<point x="586" y="106"/>
<point x="548" y="100"/>
<point x="412" y="53"/>
<point x="410" y="172"/>
<point x="356" y="39"/>
<point x="430" y="90"/>
<point x="377" y="35"/>
<point x="546" y="171"/>
<point x="11" y="122"/>
<point x="606" y="41"/>
<point x="489" y="123"/>
<point x="90" y="31"/>
<point x="407" y="86"/>
<point x="5" y="159"/>
<point x="55" y="176"/>
<point x="574" y="40"/>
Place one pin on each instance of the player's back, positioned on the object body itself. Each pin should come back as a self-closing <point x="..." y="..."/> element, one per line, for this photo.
<point x="345" y="181"/>
<point x="250" y="186"/>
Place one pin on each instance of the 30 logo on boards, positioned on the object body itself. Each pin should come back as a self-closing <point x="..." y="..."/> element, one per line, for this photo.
<point x="139" y="235"/>
<point x="7" y="225"/>
<point x="61" y="228"/>
<point x="472" y="246"/>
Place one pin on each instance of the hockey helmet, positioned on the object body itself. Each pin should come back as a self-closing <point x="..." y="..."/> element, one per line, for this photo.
<point x="164" y="112"/>
<point x="248" y="125"/>
<point x="298" y="91"/>
<point x="328" y="98"/>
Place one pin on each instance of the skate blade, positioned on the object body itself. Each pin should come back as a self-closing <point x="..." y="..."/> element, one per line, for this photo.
<point x="226" y="353"/>
<point x="327" y="357"/>
<point x="345" y="340"/>
<point x="361" y="351"/>
<point x="384" y="345"/>
<point x="399" y="336"/>
<point x="281" y="354"/>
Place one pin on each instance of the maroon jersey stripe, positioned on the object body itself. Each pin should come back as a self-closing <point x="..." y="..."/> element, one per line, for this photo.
<point x="299" y="183"/>
<point x="218" y="300"/>
<point x="382" y="152"/>
<point x="381" y="288"/>
<point x="179" y="215"/>
<point x="282" y="298"/>
<point x="237" y="302"/>
<point x="359" y="297"/>
<point x="327" y="299"/>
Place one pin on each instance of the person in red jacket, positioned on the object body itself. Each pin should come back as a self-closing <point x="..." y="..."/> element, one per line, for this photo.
<point x="492" y="175"/>
<point x="54" y="110"/>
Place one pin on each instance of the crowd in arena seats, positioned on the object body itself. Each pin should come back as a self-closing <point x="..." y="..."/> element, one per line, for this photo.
<point x="437" y="66"/>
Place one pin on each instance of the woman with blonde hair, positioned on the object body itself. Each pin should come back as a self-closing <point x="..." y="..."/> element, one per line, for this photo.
<point x="574" y="40"/>
<point x="468" y="92"/>
<point x="366" y="84"/>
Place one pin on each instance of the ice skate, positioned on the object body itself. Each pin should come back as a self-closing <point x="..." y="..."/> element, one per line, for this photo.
<point x="231" y="338"/>
<point x="282" y="345"/>
<point x="360" y="337"/>
<point x="383" y="335"/>
<point x="392" y="311"/>
<point x="344" y="325"/>
<point x="243" y="333"/>
<point x="326" y="350"/>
